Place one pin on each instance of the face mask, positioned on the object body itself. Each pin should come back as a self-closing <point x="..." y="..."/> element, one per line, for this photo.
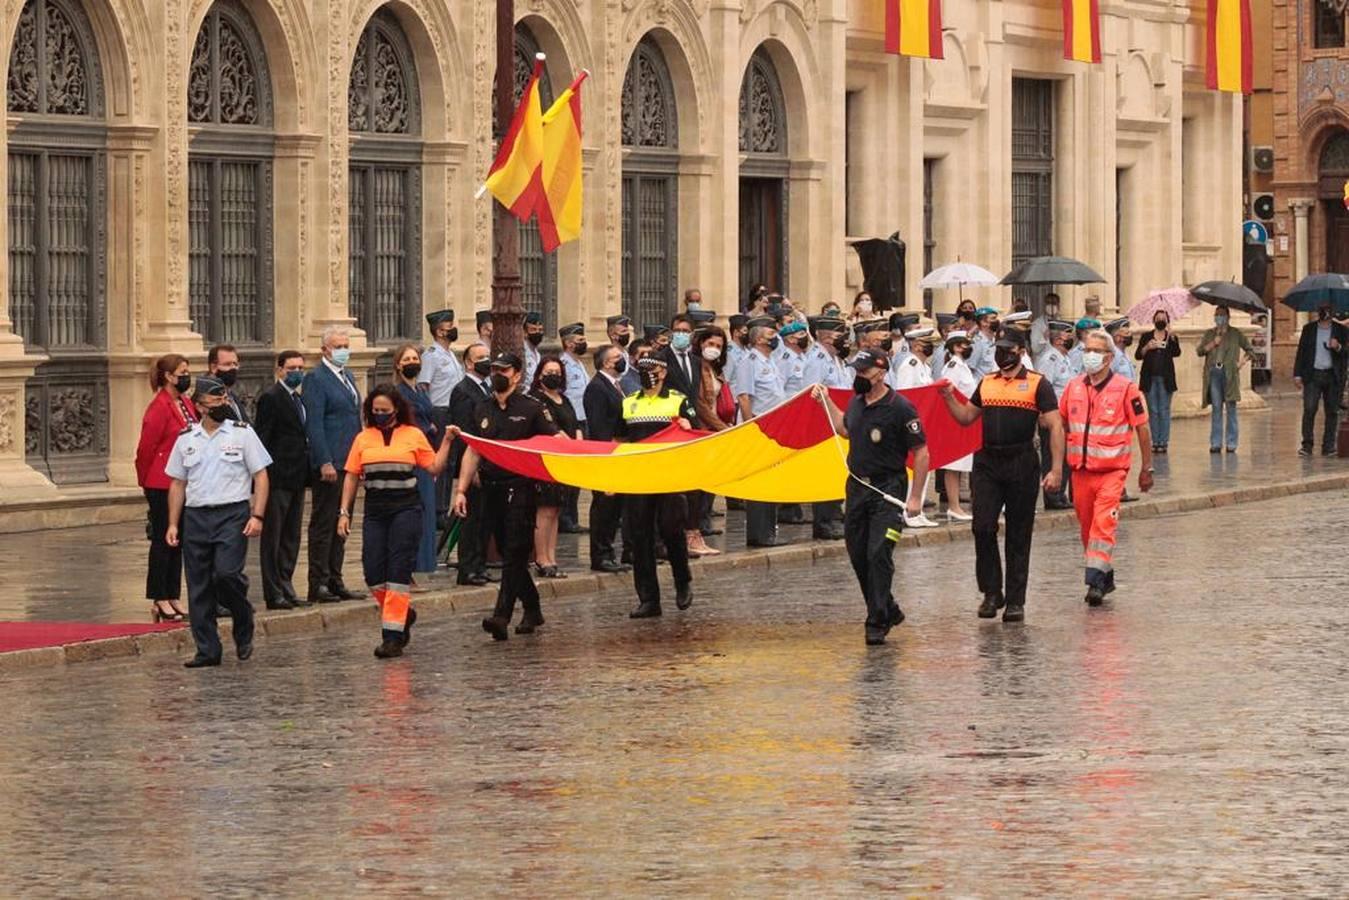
<point x="888" y="344"/>
<point x="842" y="348"/>
<point x="1220" y="321"/>
<point x="648" y="379"/>
<point x="993" y="325"/>
<point x="861" y="385"/>
<point x="552" y="381"/>
<point x="450" y="336"/>
<point x="1006" y="358"/>
<point x="227" y="377"/>
<point x="803" y="343"/>
<point x="830" y="312"/>
<point x="221" y="413"/>
<point x="694" y="307"/>
<point x="1129" y="341"/>
<point x="620" y="365"/>
<point x="1159" y="324"/>
<point x="1092" y="360"/>
<point x="341" y="356"/>
<point x="680" y="340"/>
<point x="579" y="348"/>
<point x="774" y="343"/>
<point x="483" y="367"/>
<point x="535" y="338"/>
<point x="1323" y="314"/>
<point x="182" y="383"/>
<point x="966" y="352"/>
<point x="500" y="383"/>
<point x="864" y="306"/>
<point x="412" y="370"/>
<point x="293" y="379"/>
<point x="382" y="419"/>
<point x="622" y="340"/>
<point x="1051" y="312"/>
<point x="711" y="354"/>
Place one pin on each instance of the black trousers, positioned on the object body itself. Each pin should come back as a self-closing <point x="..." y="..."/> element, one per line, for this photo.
<point x="472" y="539"/>
<point x="214" y="552"/>
<point x="870" y="530"/>
<point x="647" y="515"/>
<point x="1047" y="462"/>
<point x="440" y="416"/>
<point x="1321" y="390"/>
<point x="824" y="514"/>
<point x="606" y="513"/>
<point x="508" y="516"/>
<point x="164" y="572"/>
<point x="1004" y="482"/>
<point x="280" y="542"/>
<point x="389" y="544"/>
<point x="326" y="549"/>
<point x="761" y="522"/>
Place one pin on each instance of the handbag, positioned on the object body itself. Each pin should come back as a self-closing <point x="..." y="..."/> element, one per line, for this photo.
<point x="725" y="404"/>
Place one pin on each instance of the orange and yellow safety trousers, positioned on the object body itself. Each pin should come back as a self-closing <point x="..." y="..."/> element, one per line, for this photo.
<point x="1096" y="497"/>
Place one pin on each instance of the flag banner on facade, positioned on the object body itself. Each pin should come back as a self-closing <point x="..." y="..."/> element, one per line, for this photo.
<point x="1082" y="30"/>
<point x="1228" y="63"/>
<point x="787" y="455"/>
<point x="560" y="213"/>
<point x="913" y="28"/>
<point x="516" y="176"/>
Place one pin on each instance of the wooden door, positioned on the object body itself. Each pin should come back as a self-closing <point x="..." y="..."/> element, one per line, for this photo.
<point x="762" y="234"/>
<point x="1337" y="237"/>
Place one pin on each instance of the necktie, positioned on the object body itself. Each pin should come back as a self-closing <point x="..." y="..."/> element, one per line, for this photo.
<point x="486" y="392"/>
<point x="299" y="406"/>
<point x="684" y="364"/>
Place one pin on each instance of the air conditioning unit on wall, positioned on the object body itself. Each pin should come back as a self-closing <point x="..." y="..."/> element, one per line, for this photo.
<point x="1262" y="207"/>
<point x="1262" y="159"/>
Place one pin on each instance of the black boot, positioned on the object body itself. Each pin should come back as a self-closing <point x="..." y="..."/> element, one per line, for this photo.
<point x="497" y="627"/>
<point x="1095" y="596"/>
<point x="992" y="603"/>
<point x="647" y="609"/>
<point x="684" y="595"/>
<point x="1015" y="612"/>
<point x="407" y="626"/>
<point x="531" y="620"/>
<point x="392" y="647"/>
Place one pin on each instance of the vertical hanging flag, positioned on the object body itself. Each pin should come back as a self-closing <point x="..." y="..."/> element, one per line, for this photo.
<point x="913" y="28"/>
<point x="1082" y="30"/>
<point x="1346" y="194"/>
<point x="1228" y="65"/>
<point x="516" y="176"/>
<point x="560" y="211"/>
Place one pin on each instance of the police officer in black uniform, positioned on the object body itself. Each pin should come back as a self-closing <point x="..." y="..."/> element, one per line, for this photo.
<point x="883" y="428"/>
<point x="507" y="499"/>
<point x="1014" y="403"/>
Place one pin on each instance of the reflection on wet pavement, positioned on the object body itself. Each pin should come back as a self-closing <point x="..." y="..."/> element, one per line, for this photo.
<point x="1188" y="738"/>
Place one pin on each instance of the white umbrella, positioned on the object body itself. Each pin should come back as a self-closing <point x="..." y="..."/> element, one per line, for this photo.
<point x="958" y="274"/>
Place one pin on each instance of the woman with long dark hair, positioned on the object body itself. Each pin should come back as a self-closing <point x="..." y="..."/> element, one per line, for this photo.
<point x="387" y="455"/>
<point x="407" y="366"/>
<point x="715" y="406"/>
<point x="169" y="413"/>
<point x="549" y="388"/>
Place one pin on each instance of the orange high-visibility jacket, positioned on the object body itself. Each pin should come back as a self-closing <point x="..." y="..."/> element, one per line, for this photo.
<point x="1099" y="422"/>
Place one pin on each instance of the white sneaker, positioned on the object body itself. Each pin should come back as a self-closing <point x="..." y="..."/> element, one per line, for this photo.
<point x="919" y="521"/>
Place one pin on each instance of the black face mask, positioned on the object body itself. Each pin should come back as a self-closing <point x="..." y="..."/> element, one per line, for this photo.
<point x="383" y="420"/>
<point x="579" y="348"/>
<point x="227" y="377"/>
<point x="450" y="336"/>
<point x="803" y="343"/>
<point x="1159" y="324"/>
<point x="411" y="370"/>
<point x="1129" y="341"/>
<point x="552" y="381"/>
<point x="622" y="340"/>
<point x="500" y="383"/>
<point x="221" y="413"/>
<point x="648" y="379"/>
<point x="842" y="348"/>
<point x="620" y="365"/>
<point x="965" y="352"/>
<point x="535" y="338"/>
<point x="483" y="367"/>
<point x="861" y="385"/>
<point x="182" y="383"/>
<point x="888" y="344"/>
<point x="1323" y="314"/>
<point x="1006" y="358"/>
<point x="773" y="343"/>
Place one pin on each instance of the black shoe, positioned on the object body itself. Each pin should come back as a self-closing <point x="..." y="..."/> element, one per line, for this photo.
<point x="613" y="567"/>
<point x="1128" y="498"/>
<point x="244" y="650"/>
<point x="1328" y="451"/>
<point x="1095" y="596"/>
<point x="573" y="529"/>
<point x="1304" y="451"/>
<point x="989" y="608"/>
<point x="828" y="533"/>
<point x="875" y="636"/>
<point x="297" y="602"/>
<point x="1215" y="449"/>
<point x="772" y="542"/>
<point x="896" y="616"/>
<point x="529" y="622"/>
<point x="645" y="610"/>
<point x="407" y="626"/>
<point x="223" y="612"/>
<point x="283" y="603"/>
<point x="323" y="595"/>
<point x="683" y="596"/>
<point x="477" y="579"/>
<point x="341" y="593"/>
<point x="1110" y="586"/>
<point x="1015" y="612"/>
<point x="1058" y="504"/>
<point x="389" y="650"/>
<point x="201" y="662"/>
<point x="497" y="627"/>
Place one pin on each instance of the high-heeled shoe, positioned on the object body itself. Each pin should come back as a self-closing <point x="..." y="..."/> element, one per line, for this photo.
<point x="159" y="614"/>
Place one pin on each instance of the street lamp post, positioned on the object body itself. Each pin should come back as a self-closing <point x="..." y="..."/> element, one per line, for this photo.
<point x="507" y="312"/>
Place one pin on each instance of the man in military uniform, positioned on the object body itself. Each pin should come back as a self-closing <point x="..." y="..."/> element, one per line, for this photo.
<point x="1085" y="326"/>
<point x="1053" y="364"/>
<point x="946" y="323"/>
<point x="218" y="466"/>
<point x="790" y="358"/>
<point x="882" y="428"/>
<point x="736" y="347"/>
<point x="1013" y="403"/>
<point x="757" y="389"/>
<point x="574" y="347"/>
<point x="982" y="362"/>
<point x="618" y="329"/>
<point x="482" y="319"/>
<point x="646" y="412"/>
<point x="507" y="499"/>
<point x="533" y="338"/>
<point x="914" y="372"/>
<point x="1122" y="336"/>
<point x="900" y="323"/>
<point x="441" y="371"/>
<point x="1020" y="322"/>
<point x="826" y="364"/>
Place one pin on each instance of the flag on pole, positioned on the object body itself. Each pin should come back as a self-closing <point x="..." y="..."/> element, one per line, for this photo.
<point x="560" y="211"/>
<point x="913" y="28"/>
<point x="1082" y="30"/>
<point x="1346" y="194"/>
<point x="516" y="176"/>
<point x="1228" y="65"/>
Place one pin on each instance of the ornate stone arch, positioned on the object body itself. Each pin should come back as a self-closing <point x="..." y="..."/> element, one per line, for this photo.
<point x="780" y="32"/>
<point x="649" y="111"/>
<point x="675" y="29"/>
<point x="54" y="66"/>
<point x="1333" y="158"/>
<point x="228" y="78"/>
<point x="434" y="46"/>
<point x="383" y="89"/>
<point x="762" y="124"/>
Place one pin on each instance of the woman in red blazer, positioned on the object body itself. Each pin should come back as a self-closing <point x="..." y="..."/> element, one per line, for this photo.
<point x="169" y="413"/>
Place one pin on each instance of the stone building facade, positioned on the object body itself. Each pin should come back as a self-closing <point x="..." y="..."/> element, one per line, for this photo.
<point x="181" y="172"/>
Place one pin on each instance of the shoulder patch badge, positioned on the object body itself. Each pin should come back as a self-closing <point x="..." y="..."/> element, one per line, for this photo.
<point x="875" y="435"/>
<point x="1138" y="406"/>
<point x="485" y="422"/>
<point x="915" y="426"/>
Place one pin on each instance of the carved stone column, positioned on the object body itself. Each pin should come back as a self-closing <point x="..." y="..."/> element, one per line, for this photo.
<point x="1301" y="208"/>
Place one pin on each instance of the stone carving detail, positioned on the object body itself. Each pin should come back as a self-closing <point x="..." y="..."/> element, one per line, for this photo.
<point x="48" y="69"/>
<point x="377" y="97"/>
<point x="6" y="423"/>
<point x="226" y="70"/>
<point x="762" y="129"/>
<point x="648" y="101"/>
<point x="1324" y="79"/>
<point x="32" y="423"/>
<point x="72" y="423"/>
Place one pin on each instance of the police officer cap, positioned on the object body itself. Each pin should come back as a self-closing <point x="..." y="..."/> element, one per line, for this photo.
<point x="827" y="323"/>
<point x="650" y="361"/>
<point x="574" y="328"/>
<point x="1016" y="317"/>
<point x="507" y="360"/>
<point x="533" y="318"/>
<point x="945" y="320"/>
<point x="762" y="322"/>
<point x="435" y="318"/>
<point x="1010" y="337"/>
<point x="957" y="337"/>
<point x="482" y="317"/>
<point x="1116" y="324"/>
<point x="739" y="320"/>
<point x="1087" y="323"/>
<point x="793" y="327"/>
<point x="654" y="331"/>
<point x="702" y="316"/>
<point x="920" y="334"/>
<point x="1060" y="325"/>
<point x="617" y="321"/>
<point x="873" y="325"/>
<point x="985" y="311"/>
<point x="209" y="386"/>
<point x="900" y="321"/>
<point x="867" y="360"/>
<point x="776" y="310"/>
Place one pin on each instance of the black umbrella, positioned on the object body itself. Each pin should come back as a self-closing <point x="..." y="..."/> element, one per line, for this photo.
<point x="1052" y="270"/>
<point x="1230" y="294"/>
<point x="1309" y="294"/>
<point x="883" y="270"/>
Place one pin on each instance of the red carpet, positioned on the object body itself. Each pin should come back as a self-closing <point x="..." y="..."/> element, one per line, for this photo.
<point x="27" y="635"/>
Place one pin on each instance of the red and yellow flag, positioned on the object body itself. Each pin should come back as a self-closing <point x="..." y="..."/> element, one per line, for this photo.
<point x="1228" y="66"/>
<point x="516" y="176"/>
<point x="560" y="213"/>
<point x="913" y="28"/>
<point x="1082" y="30"/>
<point x="1346" y="194"/>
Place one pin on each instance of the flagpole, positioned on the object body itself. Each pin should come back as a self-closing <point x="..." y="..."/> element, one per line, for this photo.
<point x="507" y="311"/>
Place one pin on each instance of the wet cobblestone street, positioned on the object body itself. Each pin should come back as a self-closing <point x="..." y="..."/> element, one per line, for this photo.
<point x="1189" y="738"/>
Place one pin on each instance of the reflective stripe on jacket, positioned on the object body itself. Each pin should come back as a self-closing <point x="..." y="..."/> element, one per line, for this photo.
<point x="1099" y="422"/>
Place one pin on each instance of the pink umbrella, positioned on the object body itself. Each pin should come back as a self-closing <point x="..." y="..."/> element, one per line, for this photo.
<point x="1176" y="301"/>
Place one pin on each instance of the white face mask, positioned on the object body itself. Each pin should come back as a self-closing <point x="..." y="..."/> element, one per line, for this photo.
<point x="864" y="306"/>
<point x="1093" y="360"/>
<point x="711" y="354"/>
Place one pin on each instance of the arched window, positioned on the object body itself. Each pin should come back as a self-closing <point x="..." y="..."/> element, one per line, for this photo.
<point x="763" y="176"/>
<point x="650" y="127"/>
<point x="1334" y="175"/>
<point x="384" y="224"/>
<point x="1335" y="155"/>
<point x="763" y="120"/>
<point x="538" y="270"/>
<point x="57" y="172"/>
<point x="229" y="109"/>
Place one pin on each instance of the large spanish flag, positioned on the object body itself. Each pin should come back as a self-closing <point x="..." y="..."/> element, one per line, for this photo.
<point x="1082" y="30"/>
<point x="516" y="176"/>
<point x="1228" y="66"/>
<point x="560" y="214"/>
<point x="787" y="455"/>
<point x="913" y="28"/>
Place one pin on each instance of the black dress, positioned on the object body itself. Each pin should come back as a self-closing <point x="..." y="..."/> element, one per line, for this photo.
<point x="552" y="493"/>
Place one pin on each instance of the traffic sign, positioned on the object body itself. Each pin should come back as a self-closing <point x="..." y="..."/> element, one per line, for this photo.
<point x="1255" y="232"/>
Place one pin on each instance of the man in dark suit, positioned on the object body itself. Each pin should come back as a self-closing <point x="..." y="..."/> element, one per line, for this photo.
<point x="471" y="390"/>
<point x="222" y="362"/>
<point x="684" y="370"/>
<point x="1319" y="370"/>
<point x="604" y="413"/>
<point x="281" y="426"/>
<point x="332" y="407"/>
